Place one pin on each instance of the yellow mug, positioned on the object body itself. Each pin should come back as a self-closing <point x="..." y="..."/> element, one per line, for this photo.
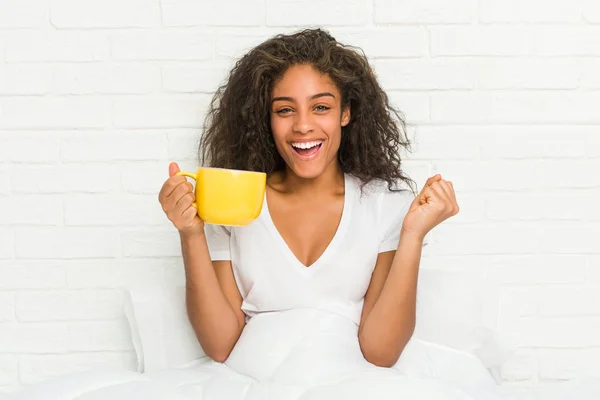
<point x="227" y="196"/>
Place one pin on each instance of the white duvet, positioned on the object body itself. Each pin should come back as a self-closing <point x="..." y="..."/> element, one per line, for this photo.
<point x="305" y="355"/>
<point x="207" y="380"/>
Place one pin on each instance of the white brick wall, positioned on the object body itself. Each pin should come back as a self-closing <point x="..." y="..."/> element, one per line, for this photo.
<point x="86" y="14"/>
<point x="185" y="13"/>
<point x="96" y="97"/>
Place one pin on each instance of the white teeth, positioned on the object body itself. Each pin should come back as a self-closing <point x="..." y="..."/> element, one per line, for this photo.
<point x="307" y="145"/>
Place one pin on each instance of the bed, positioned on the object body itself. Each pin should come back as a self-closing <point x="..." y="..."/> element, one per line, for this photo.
<point x="453" y="355"/>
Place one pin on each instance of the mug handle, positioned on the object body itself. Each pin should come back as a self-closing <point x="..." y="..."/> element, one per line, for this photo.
<point x="189" y="175"/>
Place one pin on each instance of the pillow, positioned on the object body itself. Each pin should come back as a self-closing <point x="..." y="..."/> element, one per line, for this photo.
<point x="453" y="308"/>
<point x="450" y="312"/>
<point x="160" y="329"/>
<point x="133" y="329"/>
<point x="422" y="359"/>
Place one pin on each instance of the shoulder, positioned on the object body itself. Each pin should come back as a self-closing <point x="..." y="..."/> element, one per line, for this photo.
<point x="385" y="206"/>
<point x="217" y="238"/>
<point x="379" y="193"/>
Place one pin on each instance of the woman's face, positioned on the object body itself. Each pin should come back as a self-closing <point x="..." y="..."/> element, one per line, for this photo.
<point x="307" y="120"/>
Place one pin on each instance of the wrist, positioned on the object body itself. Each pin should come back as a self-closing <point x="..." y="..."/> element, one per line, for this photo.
<point x="412" y="236"/>
<point x="191" y="235"/>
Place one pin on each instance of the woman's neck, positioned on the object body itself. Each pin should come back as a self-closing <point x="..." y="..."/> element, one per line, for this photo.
<point x="330" y="181"/>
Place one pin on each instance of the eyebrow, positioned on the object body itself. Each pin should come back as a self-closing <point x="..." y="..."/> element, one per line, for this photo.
<point x="314" y="96"/>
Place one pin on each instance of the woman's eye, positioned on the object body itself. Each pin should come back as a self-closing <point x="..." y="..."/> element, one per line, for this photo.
<point x="284" y="111"/>
<point x="322" y="108"/>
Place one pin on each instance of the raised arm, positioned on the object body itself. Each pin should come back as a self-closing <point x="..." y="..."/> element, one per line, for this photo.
<point x="388" y="316"/>
<point x="212" y="297"/>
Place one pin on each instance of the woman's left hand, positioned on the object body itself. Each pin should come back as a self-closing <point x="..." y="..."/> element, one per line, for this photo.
<point x="435" y="203"/>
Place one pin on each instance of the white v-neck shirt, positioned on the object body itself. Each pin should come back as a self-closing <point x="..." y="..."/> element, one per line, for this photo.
<point x="270" y="278"/>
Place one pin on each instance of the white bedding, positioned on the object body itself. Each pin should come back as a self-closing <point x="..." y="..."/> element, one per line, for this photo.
<point x="304" y="354"/>
<point x="207" y="380"/>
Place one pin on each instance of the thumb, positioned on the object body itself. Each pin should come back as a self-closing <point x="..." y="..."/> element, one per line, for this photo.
<point x="173" y="169"/>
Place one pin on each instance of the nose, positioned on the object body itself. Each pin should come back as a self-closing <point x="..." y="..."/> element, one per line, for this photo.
<point x="303" y="123"/>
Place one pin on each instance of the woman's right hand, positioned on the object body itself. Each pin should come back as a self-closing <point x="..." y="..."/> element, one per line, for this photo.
<point x="176" y="197"/>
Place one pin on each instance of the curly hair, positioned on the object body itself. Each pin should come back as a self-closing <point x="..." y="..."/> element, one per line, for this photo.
<point x="237" y="131"/>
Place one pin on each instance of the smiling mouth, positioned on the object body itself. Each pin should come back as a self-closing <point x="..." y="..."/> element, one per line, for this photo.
<point x="307" y="149"/>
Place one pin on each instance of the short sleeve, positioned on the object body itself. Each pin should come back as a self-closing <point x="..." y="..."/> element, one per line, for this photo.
<point x="218" y="240"/>
<point x="393" y="208"/>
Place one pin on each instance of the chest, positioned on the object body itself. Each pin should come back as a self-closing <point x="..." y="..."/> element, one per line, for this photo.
<point x="269" y="272"/>
<point x="306" y="227"/>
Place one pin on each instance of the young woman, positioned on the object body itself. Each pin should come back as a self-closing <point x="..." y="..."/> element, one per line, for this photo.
<point x="339" y="240"/>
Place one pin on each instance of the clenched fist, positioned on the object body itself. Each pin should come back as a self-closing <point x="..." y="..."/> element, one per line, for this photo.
<point x="176" y="197"/>
<point x="435" y="204"/>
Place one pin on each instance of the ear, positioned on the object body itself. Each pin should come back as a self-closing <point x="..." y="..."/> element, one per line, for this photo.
<point x="346" y="115"/>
